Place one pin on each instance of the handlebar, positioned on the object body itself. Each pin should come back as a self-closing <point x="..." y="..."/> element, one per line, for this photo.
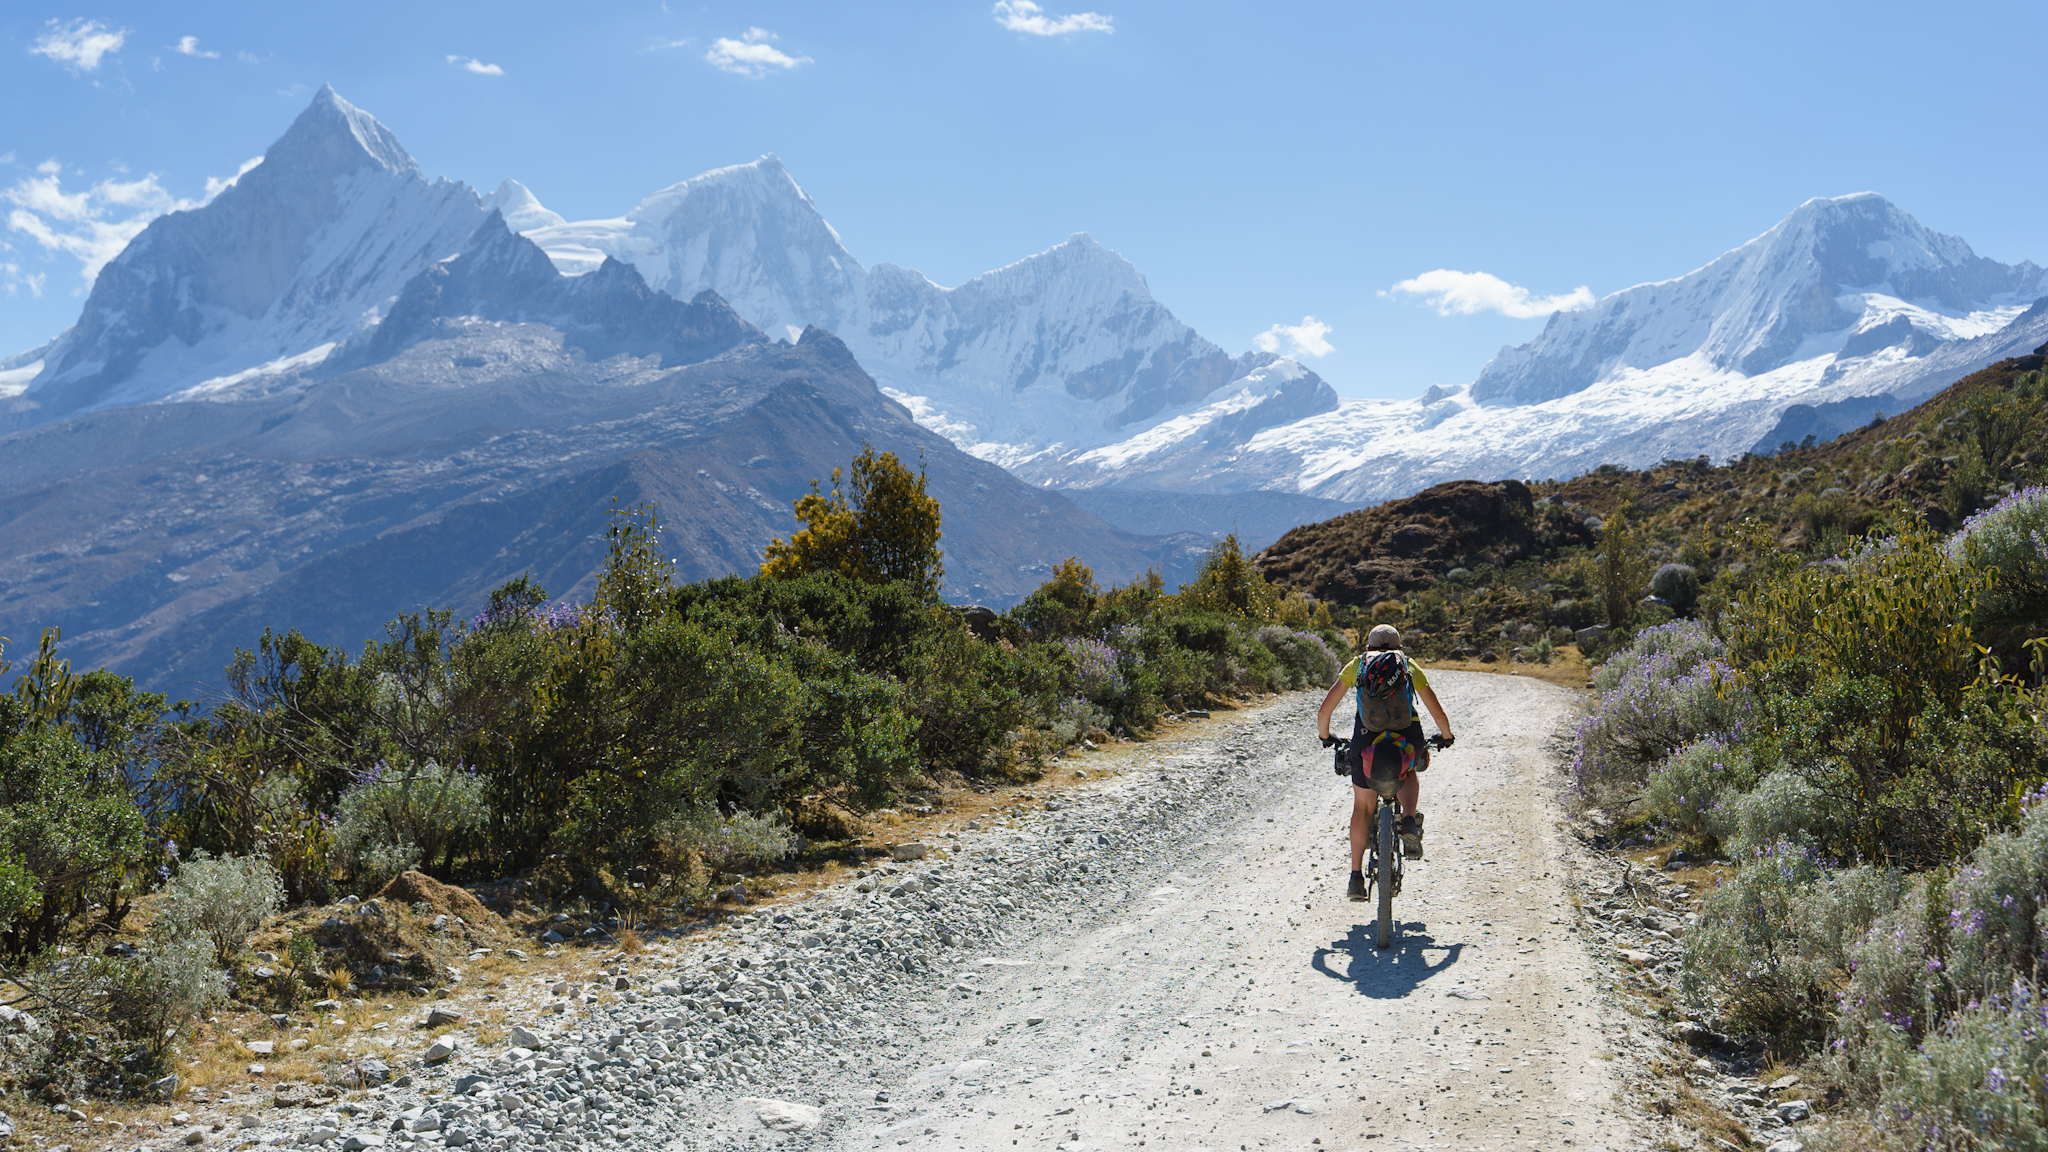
<point x="1342" y="747"/>
<point x="1438" y="742"/>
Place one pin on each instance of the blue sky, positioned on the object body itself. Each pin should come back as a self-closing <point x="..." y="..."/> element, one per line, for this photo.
<point x="1260" y="163"/>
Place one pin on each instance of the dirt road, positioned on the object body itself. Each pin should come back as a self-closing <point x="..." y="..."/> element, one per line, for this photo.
<point x="1231" y="998"/>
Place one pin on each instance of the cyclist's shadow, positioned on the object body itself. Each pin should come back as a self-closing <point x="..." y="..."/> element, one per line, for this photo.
<point x="1389" y="974"/>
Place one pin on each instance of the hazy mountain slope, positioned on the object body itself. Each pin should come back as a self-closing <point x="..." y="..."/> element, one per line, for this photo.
<point x="1257" y="518"/>
<point x="335" y="508"/>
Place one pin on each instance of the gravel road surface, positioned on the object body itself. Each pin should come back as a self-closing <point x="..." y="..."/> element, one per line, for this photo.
<point x="1159" y="956"/>
<point x="1205" y="985"/>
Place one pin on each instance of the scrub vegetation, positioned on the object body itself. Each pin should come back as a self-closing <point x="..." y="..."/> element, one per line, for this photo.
<point x="652" y="745"/>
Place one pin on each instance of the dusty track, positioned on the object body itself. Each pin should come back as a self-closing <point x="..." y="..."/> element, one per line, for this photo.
<point x="1229" y="997"/>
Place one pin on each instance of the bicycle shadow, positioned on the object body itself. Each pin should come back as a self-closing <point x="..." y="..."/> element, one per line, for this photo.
<point x="1389" y="974"/>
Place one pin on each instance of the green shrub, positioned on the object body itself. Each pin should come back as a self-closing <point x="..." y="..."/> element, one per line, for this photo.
<point x="1784" y="808"/>
<point x="1301" y="659"/>
<point x="1697" y="790"/>
<point x="1895" y="610"/>
<point x="152" y="998"/>
<point x="69" y="832"/>
<point x="1773" y="942"/>
<point x="219" y="900"/>
<point x="1678" y="585"/>
<point x="142" y="1002"/>
<point x="735" y="842"/>
<point x="396" y="819"/>
<point x="2006" y="546"/>
<point x="1659" y="695"/>
<point x="1941" y="1023"/>
<point x="1230" y="585"/>
<point x="1917" y="801"/>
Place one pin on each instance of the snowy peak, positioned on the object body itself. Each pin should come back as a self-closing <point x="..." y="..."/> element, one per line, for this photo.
<point x="334" y="136"/>
<point x="1064" y="349"/>
<point x="1830" y="270"/>
<point x="521" y="210"/>
<point x="295" y="258"/>
<point x="750" y="234"/>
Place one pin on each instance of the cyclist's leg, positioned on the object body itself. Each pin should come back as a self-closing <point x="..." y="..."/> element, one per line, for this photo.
<point x="1410" y="795"/>
<point x="1365" y="804"/>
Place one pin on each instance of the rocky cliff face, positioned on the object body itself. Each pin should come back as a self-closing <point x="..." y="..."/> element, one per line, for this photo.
<point x="1379" y="553"/>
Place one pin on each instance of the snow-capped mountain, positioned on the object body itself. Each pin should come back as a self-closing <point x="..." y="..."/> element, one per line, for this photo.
<point x="1849" y="306"/>
<point x="1848" y="276"/>
<point x="303" y="252"/>
<point x="479" y="429"/>
<point x="1051" y="355"/>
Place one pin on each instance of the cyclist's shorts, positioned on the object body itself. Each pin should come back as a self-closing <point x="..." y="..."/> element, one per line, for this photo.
<point x="1389" y="759"/>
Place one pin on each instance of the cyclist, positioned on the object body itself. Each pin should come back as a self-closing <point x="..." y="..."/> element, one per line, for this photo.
<point x="1400" y="744"/>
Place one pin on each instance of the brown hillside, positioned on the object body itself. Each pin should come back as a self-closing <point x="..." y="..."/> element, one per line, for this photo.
<point x="1384" y="551"/>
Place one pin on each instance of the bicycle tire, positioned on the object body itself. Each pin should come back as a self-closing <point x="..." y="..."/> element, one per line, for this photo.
<point x="1386" y="848"/>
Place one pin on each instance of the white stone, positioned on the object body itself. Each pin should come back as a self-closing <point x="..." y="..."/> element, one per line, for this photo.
<point x="782" y="1115"/>
<point x="441" y="1049"/>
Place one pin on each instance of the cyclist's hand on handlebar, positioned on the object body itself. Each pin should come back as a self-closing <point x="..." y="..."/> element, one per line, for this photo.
<point x="1442" y="740"/>
<point x="1332" y="741"/>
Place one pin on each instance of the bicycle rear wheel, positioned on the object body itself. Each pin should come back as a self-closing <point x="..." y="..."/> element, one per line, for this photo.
<point x="1385" y="848"/>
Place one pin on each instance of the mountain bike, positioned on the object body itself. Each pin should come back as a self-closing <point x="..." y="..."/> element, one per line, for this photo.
<point x="1383" y="862"/>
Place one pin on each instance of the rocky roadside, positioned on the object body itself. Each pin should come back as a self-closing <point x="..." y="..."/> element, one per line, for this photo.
<point x="669" y="1040"/>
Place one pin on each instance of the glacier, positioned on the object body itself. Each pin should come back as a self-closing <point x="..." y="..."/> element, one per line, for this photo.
<point x="1061" y="367"/>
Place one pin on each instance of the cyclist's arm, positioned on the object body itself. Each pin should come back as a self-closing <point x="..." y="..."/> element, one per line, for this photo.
<point x="1337" y="692"/>
<point x="1436" y="710"/>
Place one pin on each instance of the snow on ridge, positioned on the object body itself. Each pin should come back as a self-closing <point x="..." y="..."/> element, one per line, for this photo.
<point x="303" y="250"/>
<point x="226" y="387"/>
<point x="522" y="211"/>
<point x="14" y="381"/>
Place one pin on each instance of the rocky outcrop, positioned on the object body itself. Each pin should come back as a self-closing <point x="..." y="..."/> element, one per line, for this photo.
<point x="1381" y="552"/>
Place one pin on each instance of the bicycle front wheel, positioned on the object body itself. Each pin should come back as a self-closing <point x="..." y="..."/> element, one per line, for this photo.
<point x="1385" y="849"/>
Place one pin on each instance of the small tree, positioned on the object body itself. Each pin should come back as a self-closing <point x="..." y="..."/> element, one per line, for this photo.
<point x="886" y="528"/>
<point x="1624" y="569"/>
<point x="1231" y="584"/>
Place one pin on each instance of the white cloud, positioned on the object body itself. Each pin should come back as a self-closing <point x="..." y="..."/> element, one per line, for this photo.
<point x="189" y="46"/>
<point x="1024" y="16"/>
<point x="1469" y="293"/>
<point x="472" y="64"/>
<point x="92" y="225"/>
<point x="751" y="54"/>
<point x="1308" y="338"/>
<point x="80" y="44"/>
<point x="6" y="157"/>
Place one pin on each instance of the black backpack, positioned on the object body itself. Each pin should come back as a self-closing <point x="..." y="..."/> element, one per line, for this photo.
<point x="1385" y="692"/>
